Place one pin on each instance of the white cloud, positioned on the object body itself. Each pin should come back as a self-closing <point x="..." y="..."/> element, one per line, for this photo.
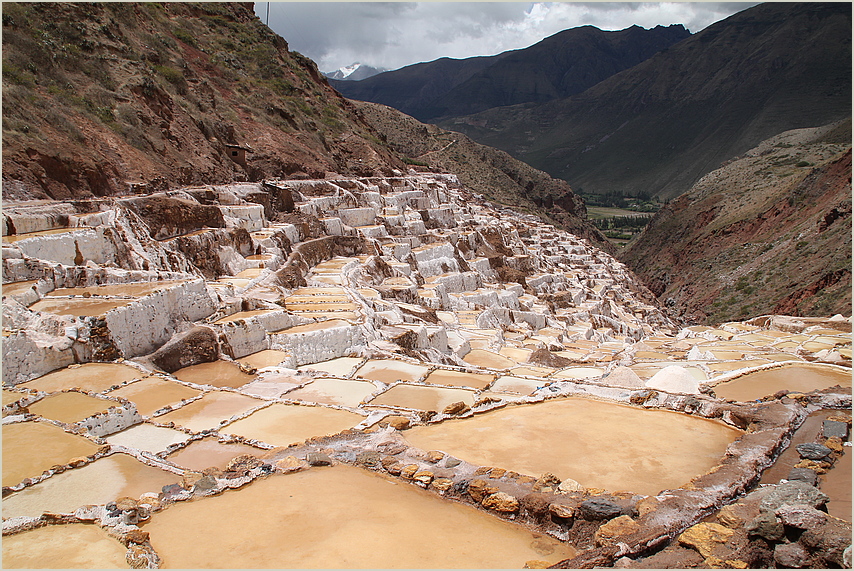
<point x="395" y="34"/>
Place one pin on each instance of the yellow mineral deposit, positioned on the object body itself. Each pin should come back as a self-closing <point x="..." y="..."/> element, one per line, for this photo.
<point x="59" y="547"/>
<point x="423" y="398"/>
<point x="208" y="411"/>
<point x="281" y="425"/>
<point x="208" y="452"/>
<point x="102" y="481"/>
<point x="795" y="378"/>
<point x="333" y="391"/>
<point x="598" y="444"/>
<point x="341" y="517"/>
<point x="93" y="377"/>
<point x="153" y="393"/>
<point x="54" y="446"/>
<point x="216" y="373"/>
<point x="70" y="407"/>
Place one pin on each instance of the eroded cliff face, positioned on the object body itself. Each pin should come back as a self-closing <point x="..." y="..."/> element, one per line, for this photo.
<point x="770" y="232"/>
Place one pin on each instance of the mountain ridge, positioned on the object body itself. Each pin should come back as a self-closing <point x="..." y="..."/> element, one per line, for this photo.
<point x="560" y="65"/>
<point x="662" y="124"/>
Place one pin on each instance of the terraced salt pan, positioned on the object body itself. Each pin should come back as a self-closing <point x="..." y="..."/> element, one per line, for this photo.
<point x="92" y="377"/>
<point x="208" y="452"/>
<point x="309" y="327"/>
<point x="341" y="517"/>
<point x="148" y="437"/>
<point x="517" y="385"/>
<point x="208" y="411"/>
<point x="459" y="378"/>
<point x="333" y="391"/>
<point x="390" y="371"/>
<point x="516" y="354"/>
<point x="578" y="373"/>
<point x="735" y="365"/>
<point x="241" y="315"/>
<point x="423" y="398"/>
<point x="532" y="371"/>
<point x="54" y="446"/>
<point x="598" y="444"/>
<point x="120" y="290"/>
<point x="10" y="396"/>
<point x="18" y="287"/>
<point x="801" y="378"/>
<point x="153" y="393"/>
<point x="58" y="547"/>
<point x="11" y="239"/>
<point x="250" y="273"/>
<point x="488" y="360"/>
<point x="340" y="367"/>
<point x="100" y="482"/>
<point x="216" y="373"/>
<point x="77" y="307"/>
<point x="70" y="407"/>
<point x="282" y="425"/>
<point x="265" y="358"/>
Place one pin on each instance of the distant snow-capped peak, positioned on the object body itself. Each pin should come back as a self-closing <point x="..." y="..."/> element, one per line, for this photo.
<point x="354" y="72"/>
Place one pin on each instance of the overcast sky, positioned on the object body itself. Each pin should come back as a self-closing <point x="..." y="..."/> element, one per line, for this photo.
<point x="395" y="34"/>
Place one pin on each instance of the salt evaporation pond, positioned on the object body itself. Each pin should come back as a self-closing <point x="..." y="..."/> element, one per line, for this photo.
<point x="801" y="378"/>
<point x="78" y="306"/>
<point x="208" y="452"/>
<point x="98" y="483"/>
<point x="341" y="517"/>
<point x="58" y="547"/>
<point x="54" y="445"/>
<point x="389" y="371"/>
<point x="598" y="444"/>
<point x="70" y="407"/>
<point x="215" y="374"/>
<point x="94" y="377"/>
<point x="121" y="290"/>
<point x="459" y="379"/>
<point x="262" y="359"/>
<point x="153" y="393"/>
<point x="423" y="398"/>
<point x="210" y="410"/>
<point x="333" y="391"/>
<point x="282" y="425"/>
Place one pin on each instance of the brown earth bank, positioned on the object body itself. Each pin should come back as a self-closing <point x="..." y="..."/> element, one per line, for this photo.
<point x="770" y="232"/>
<point x="128" y="98"/>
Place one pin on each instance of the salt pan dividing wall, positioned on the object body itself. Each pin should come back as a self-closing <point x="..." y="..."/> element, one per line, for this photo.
<point x="316" y="342"/>
<point x="71" y="248"/>
<point x="142" y="326"/>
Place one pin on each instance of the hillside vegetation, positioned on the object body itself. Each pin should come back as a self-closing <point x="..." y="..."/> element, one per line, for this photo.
<point x="770" y="232"/>
<point x="105" y="99"/>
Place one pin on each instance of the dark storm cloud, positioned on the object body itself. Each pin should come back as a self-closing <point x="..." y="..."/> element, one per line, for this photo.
<point x="394" y="34"/>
